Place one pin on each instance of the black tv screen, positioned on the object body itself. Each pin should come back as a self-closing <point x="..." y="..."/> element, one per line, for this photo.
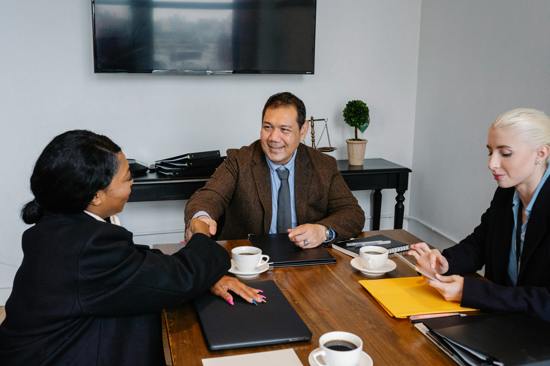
<point x="204" y="37"/>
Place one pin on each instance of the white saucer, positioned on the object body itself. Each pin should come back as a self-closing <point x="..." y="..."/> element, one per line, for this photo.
<point x="365" y="360"/>
<point x="387" y="267"/>
<point x="260" y="269"/>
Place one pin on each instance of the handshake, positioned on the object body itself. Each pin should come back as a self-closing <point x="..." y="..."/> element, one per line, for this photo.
<point x="201" y="225"/>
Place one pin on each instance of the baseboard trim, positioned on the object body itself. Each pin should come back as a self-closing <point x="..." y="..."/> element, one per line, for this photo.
<point x="429" y="233"/>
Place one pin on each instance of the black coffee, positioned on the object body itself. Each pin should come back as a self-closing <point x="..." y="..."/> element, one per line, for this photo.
<point x="247" y="253"/>
<point x="371" y="252"/>
<point x="340" y="345"/>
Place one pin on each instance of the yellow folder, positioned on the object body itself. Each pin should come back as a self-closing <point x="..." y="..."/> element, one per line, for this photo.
<point x="406" y="296"/>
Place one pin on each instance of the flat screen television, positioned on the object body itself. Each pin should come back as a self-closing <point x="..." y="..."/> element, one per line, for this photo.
<point x="204" y="36"/>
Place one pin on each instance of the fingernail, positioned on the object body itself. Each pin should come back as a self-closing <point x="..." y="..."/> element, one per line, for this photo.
<point x="254" y="302"/>
<point x="260" y="292"/>
<point x="230" y="301"/>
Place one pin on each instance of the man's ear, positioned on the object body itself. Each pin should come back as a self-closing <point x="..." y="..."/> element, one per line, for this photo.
<point x="304" y="129"/>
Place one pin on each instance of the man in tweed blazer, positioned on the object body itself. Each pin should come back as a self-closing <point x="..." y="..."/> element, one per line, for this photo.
<point x="243" y="192"/>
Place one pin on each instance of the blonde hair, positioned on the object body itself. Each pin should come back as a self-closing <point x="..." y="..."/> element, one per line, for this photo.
<point x="532" y="124"/>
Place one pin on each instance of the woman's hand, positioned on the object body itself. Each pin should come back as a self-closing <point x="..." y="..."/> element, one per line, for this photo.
<point x="450" y="287"/>
<point x="429" y="259"/>
<point x="228" y="283"/>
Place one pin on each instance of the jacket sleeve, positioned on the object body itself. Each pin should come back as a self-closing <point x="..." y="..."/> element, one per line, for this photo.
<point x="486" y="295"/>
<point x="115" y="277"/>
<point x="216" y="195"/>
<point x="344" y="214"/>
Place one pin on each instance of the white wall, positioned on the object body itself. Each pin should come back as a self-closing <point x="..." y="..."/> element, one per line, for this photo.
<point x="365" y="49"/>
<point x="477" y="59"/>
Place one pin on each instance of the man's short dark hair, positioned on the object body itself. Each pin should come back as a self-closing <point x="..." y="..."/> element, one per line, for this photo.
<point x="287" y="99"/>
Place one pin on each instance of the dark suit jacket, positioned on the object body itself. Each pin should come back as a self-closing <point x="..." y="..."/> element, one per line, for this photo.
<point x="86" y="295"/>
<point x="489" y="245"/>
<point x="240" y="191"/>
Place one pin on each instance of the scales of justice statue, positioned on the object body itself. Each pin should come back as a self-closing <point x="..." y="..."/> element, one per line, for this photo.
<point x="324" y="122"/>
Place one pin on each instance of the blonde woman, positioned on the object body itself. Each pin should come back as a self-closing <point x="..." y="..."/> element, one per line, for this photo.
<point x="513" y="238"/>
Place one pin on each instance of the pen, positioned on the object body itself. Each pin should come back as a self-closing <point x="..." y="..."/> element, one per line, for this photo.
<point x="373" y="242"/>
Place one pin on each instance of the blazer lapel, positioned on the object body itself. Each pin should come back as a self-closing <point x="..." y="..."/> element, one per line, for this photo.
<point x="262" y="179"/>
<point x="537" y="225"/>
<point x="302" y="183"/>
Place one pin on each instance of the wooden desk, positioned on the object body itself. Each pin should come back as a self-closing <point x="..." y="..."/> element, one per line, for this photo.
<point x="327" y="298"/>
<point x="375" y="174"/>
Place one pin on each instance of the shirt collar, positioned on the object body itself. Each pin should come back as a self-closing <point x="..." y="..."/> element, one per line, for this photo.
<point x="289" y="165"/>
<point x="515" y="201"/>
<point x="94" y="216"/>
<point x="114" y="219"/>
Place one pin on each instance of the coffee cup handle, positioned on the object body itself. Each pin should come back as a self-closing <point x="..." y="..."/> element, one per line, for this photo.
<point x="264" y="259"/>
<point x="316" y="355"/>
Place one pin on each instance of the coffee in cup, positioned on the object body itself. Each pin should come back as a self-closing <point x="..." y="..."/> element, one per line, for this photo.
<point x="338" y="349"/>
<point x="248" y="258"/>
<point x="373" y="257"/>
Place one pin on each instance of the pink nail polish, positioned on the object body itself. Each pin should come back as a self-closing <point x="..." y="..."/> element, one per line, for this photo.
<point x="230" y="301"/>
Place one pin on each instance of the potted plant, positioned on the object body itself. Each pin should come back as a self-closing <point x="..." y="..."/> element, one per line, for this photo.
<point x="356" y="114"/>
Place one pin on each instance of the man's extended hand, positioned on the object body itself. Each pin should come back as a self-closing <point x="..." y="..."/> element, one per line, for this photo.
<point x="201" y="224"/>
<point x="307" y="235"/>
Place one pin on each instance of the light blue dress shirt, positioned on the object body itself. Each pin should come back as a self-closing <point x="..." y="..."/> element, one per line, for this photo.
<point x="275" y="185"/>
<point x="513" y="270"/>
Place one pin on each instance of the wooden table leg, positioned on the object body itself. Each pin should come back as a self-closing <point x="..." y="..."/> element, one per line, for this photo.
<point x="376" y="208"/>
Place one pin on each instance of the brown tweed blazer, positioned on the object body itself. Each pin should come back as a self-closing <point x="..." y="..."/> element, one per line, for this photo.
<point x="240" y="192"/>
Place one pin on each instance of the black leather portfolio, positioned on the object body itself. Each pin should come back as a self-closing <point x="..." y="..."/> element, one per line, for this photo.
<point x="247" y="325"/>
<point x="284" y="253"/>
<point x="493" y="339"/>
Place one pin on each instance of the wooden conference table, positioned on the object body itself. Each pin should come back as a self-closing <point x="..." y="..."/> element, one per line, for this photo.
<point x="327" y="298"/>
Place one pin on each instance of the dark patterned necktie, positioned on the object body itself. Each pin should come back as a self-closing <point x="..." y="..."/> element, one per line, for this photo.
<point x="283" y="202"/>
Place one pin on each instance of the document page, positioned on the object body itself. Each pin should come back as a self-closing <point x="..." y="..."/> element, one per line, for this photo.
<point x="285" y="357"/>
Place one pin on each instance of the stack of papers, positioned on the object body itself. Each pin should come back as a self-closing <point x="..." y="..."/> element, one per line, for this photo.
<point x="406" y="296"/>
<point x="285" y="357"/>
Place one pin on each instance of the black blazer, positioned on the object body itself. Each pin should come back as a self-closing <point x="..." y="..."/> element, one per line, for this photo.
<point x="490" y="244"/>
<point x="86" y="295"/>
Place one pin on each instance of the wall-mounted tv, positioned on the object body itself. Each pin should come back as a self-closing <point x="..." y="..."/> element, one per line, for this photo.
<point x="204" y="36"/>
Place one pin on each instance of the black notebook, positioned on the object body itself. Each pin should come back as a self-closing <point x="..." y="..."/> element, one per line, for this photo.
<point x="351" y="247"/>
<point x="246" y="325"/>
<point x="284" y="253"/>
<point x="493" y="339"/>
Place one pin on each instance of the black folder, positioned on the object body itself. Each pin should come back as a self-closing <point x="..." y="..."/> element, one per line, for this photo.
<point x="247" y="325"/>
<point x="284" y="253"/>
<point x="509" y="339"/>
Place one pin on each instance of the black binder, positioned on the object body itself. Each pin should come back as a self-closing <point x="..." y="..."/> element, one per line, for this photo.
<point x="493" y="339"/>
<point x="284" y="253"/>
<point x="246" y="325"/>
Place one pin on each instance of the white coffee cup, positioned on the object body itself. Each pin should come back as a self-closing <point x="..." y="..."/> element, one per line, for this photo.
<point x="373" y="257"/>
<point x="338" y="349"/>
<point x="248" y="258"/>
